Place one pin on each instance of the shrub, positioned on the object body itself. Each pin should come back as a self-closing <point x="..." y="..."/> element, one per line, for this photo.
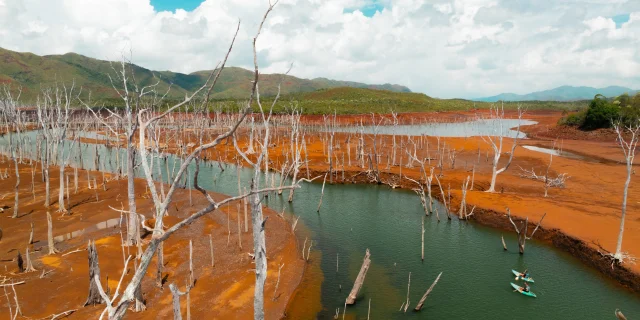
<point x="573" y="120"/>
<point x="600" y="113"/>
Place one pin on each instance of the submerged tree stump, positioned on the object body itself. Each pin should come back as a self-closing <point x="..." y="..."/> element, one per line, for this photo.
<point x="94" y="271"/>
<point x="351" y="299"/>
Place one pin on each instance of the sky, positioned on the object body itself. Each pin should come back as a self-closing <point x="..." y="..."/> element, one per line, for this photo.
<point x="444" y="48"/>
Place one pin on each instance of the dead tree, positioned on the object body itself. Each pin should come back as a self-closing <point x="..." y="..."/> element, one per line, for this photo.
<point x="522" y="231"/>
<point x="496" y="142"/>
<point x="51" y="245"/>
<point x="53" y="115"/>
<point x="424" y="297"/>
<point x="133" y="98"/>
<point x="462" y="212"/>
<point x="296" y="147"/>
<point x="147" y="121"/>
<point x="406" y="305"/>
<point x="175" y="297"/>
<point x="94" y="273"/>
<point x="629" y="150"/>
<point x="357" y="285"/>
<point x="29" y="267"/>
<point x="549" y="182"/>
<point x="322" y="192"/>
<point x="420" y="192"/>
<point x="12" y="117"/>
<point x="275" y="291"/>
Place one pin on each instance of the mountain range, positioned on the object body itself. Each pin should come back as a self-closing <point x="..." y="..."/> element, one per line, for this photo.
<point x="563" y="93"/>
<point x="33" y="72"/>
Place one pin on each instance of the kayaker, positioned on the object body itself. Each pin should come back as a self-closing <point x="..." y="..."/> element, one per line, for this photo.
<point x="526" y="287"/>
<point x="525" y="274"/>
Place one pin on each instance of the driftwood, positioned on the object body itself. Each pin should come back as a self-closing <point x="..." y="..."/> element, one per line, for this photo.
<point x="94" y="273"/>
<point x="504" y="245"/>
<point x="424" y="297"/>
<point x="351" y="299"/>
<point x="619" y="315"/>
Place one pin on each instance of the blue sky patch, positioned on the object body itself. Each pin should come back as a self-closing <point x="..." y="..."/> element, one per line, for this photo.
<point x="368" y="10"/>
<point x="620" y="19"/>
<point x="172" y="5"/>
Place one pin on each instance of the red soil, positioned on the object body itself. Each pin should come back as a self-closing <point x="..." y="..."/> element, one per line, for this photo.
<point x="224" y="291"/>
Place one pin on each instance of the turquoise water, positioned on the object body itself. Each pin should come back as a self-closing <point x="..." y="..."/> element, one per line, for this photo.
<point x="486" y="127"/>
<point x="476" y="271"/>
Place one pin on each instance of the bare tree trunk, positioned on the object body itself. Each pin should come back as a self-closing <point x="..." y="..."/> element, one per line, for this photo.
<point x="424" y="297"/>
<point x="211" y="246"/>
<point x="133" y="229"/>
<point x="29" y="267"/>
<point x="175" y="293"/>
<point x="192" y="279"/>
<point x="31" y="234"/>
<point x="61" y="207"/>
<point x="422" y="238"/>
<point x="259" y="250"/>
<point x="629" y="149"/>
<point x="52" y="248"/>
<point x="17" y="201"/>
<point x="160" y="266"/>
<point x="322" y="192"/>
<point x="275" y="291"/>
<point x="94" y="270"/>
<point x="406" y="305"/>
<point x="351" y="299"/>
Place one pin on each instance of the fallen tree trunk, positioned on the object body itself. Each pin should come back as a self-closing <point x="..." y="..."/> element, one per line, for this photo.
<point x="351" y="299"/>
<point x="422" y="300"/>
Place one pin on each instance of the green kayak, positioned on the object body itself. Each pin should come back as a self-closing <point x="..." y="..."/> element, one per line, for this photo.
<point x="521" y="290"/>
<point x="518" y="276"/>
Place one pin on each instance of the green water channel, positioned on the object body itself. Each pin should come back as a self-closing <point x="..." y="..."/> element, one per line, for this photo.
<point x="476" y="271"/>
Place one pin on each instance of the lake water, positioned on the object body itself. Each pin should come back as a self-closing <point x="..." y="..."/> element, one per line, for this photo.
<point x="562" y="153"/>
<point x="476" y="271"/>
<point x="484" y="127"/>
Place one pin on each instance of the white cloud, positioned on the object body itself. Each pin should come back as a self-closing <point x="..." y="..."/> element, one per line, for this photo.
<point x="445" y="48"/>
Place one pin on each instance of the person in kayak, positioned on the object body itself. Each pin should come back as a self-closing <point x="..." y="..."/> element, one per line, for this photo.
<point x="526" y="287"/>
<point x="525" y="274"/>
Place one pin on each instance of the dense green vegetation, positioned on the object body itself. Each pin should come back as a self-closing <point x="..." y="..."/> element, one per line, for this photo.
<point x="602" y="112"/>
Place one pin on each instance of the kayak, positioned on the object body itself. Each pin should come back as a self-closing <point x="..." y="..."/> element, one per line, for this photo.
<point x="518" y="276"/>
<point x="521" y="290"/>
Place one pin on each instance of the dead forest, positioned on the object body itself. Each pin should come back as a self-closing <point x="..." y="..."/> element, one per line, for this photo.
<point x="141" y="167"/>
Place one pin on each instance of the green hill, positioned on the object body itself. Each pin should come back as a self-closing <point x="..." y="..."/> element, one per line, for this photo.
<point x="345" y="100"/>
<point x="33" y="72"/>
